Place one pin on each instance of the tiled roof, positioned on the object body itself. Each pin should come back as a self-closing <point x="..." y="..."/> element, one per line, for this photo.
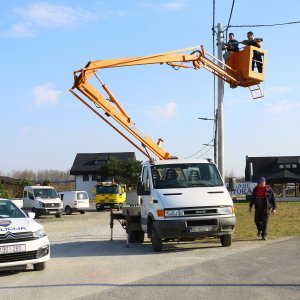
<point x="89" y="163"/>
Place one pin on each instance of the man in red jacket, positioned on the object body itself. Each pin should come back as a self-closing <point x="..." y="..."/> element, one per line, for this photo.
<point x="264" y="201"/>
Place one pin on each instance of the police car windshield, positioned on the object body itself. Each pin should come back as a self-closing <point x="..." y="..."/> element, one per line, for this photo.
<point x="185" y="175"/>
<point x="45" y="193"/>
<point x="10" y="210"/>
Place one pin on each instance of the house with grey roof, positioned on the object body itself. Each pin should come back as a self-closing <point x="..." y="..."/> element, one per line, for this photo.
<point x="282" y="173"/>
<point x="86" y="166"/>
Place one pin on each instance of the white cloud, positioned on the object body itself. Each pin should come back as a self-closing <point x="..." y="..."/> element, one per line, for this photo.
<point x="45" y="95"/>
<point x="40" y="15"/>
<point x="165" y="111"/>
<point x="282" y="106"/>
<point x="168" y="6"/>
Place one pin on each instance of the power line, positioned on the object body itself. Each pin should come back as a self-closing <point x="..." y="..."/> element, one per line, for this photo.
<point x="266" y="25"/>
<point x="198" y="151"/>
<point x="204" y="152"/>
<point x="228" y="24"/>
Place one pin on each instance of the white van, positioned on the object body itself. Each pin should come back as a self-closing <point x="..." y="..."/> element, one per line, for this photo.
<point x="42" y="200"/>
<point x="74" y="201"/>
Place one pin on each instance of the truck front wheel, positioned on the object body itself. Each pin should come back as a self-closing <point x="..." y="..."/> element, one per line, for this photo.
<point x="37" y="215"/>
<point x="58" y="215"/>
<point x="155" y="240"/>
<point x="226" y="240"/>
<point x="100" y="208"/>
<point x="39" y="266"/>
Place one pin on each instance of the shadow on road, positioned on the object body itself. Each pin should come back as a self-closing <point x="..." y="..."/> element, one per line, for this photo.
<point x="118" y="247"/>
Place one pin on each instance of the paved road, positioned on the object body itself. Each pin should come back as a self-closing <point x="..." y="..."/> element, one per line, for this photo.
<point x="269" y="272"/>
<point x="86" y="264"/>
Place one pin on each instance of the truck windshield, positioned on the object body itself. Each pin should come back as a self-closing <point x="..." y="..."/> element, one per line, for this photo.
<point x="10" y="210"/>
<point x="107" y="189"/>
<point x="185" y="175"/>
<point x="45" y="193"/>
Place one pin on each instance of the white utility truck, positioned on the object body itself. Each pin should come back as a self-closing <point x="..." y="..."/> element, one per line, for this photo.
<point x="179" y="200"/>
<point x="176" y="199"/>
<point x="42" y="200"/>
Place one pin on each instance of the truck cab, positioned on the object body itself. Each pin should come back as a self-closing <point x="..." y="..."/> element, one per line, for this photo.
<point x="184" y="199"/>
<point x="109" y="195"/>
<point x="42" y="200"/>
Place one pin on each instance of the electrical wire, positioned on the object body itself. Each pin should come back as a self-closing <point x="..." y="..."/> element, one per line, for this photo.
<point x="228" y="24"/>
<point x="199" y="150"/>
<point x="266" y="25"/>
<point x="205" y="152"/>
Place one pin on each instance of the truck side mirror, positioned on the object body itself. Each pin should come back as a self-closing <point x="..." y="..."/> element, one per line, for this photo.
<point x="140" y="189"/>
<point x="232" y="184"/>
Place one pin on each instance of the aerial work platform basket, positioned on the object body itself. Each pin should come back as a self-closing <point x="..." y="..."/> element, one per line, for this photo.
<point x="248" y="65"/>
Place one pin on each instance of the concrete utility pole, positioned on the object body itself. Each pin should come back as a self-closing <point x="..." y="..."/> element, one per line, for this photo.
<point x="220" y="114"/>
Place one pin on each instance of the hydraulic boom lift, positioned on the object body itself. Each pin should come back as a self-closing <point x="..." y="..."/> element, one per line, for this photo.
<point x="237" y="73"/>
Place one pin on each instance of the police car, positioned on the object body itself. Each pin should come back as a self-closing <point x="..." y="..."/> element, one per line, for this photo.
<point x="23" y="241"/>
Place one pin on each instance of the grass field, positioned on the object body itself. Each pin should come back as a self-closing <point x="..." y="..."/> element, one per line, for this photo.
<point x="286" y="222"/>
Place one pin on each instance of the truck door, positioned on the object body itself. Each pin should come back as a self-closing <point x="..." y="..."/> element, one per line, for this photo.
<point x="145" y="197"/>
<point x="28" y="198"/>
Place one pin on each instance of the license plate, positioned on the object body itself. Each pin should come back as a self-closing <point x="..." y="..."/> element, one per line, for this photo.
<point x="200" y="228"/>
<point x="12" y="249"/>
<point x="106" y="206"/>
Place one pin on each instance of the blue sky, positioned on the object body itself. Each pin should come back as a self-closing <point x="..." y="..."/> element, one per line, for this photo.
<point x="43" y="42"/>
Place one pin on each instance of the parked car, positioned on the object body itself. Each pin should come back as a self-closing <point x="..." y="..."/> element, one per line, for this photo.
<point x="74" y="201"/>
<point x="23" y="241"/>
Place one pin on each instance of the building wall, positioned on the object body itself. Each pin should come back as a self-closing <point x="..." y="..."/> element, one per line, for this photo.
<point x="85" y="185"/>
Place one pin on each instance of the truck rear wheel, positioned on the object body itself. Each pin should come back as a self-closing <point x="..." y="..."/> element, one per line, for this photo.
<point x="155" y="240"/>
<point x="140" y="236"/>
<point x="132" y="236"/>
<point x="226" y="240"/>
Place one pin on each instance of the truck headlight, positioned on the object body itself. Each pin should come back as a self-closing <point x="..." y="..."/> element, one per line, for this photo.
<point x="42" y="204"/>
<point x="226" y="210"/>
<point x="39" y="233"/>
<point x="171" y="213"/>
